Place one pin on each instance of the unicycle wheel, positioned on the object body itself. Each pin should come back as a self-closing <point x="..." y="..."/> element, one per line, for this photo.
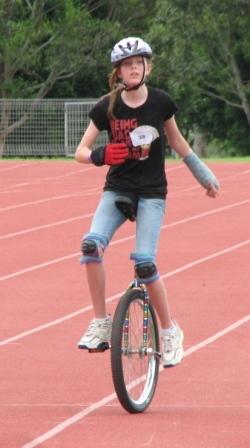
<point x="134" y="364"/>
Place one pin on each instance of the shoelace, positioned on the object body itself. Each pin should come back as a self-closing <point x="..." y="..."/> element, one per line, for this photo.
<point x="167" y="344"/>
<point x="92" y="326"/>
<point x="95" y="324"/>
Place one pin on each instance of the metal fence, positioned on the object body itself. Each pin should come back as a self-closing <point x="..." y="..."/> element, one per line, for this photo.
<point x="48" y="127"/>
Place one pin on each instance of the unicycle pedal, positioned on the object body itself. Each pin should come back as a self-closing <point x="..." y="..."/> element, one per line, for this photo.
<point x="101" y="348"/>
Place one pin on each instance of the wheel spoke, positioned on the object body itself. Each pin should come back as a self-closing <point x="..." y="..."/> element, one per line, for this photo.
<point x="135" y="359"/>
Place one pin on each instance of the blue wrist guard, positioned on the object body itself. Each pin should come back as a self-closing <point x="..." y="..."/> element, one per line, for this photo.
<point x="201" y="171"/>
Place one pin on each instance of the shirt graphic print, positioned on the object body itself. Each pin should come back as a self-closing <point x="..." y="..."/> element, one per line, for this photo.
<point x="137" y="138"/>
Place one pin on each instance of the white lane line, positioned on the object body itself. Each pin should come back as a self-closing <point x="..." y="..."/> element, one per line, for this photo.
<point x="217" y="335"/>
<point x="104" y="401"/>
<point x="38" y="266"/>
<point x="197" y="186"/>
<point x="53" y="198"/>
<point x="207" y="258"/>
<point x="89" y="215"/>
<point x="172" y="194"/>
<point x="169" y="168"/>
<point x="20" y="165"/>
<point x="155" y="406"/>
<point x="45" y="179"/>
<point x="207" y="213"/>
<point x="54" y="322"/>
<point x="110" y="299"/>
<point x="67" y="257"/>
<point x="11" y="188"/>
<point x="45" y="226"/>
<point x="70" y="173"/>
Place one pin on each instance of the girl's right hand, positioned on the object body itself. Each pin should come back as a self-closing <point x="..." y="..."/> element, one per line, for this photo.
<point x="111" y="154"/>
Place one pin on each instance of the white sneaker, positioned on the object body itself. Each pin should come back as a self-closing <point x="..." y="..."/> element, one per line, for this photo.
<point x="172" y="349"/>
<point x="97" y="336"/>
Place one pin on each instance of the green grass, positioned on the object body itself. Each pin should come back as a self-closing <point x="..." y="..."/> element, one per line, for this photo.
<point x="217" y="159"/>
<point x="229" y="159"/>
<point x="169" y="159"/>
<point x="37" y="159"/>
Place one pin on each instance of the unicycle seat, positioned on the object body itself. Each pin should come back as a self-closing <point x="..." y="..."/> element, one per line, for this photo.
<point x="127" y="204"/>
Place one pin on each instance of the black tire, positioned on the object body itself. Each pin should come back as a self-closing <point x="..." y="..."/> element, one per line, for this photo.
<point x="140" y="368"/>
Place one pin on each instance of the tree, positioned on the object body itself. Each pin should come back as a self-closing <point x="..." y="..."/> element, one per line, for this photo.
<point x="204" y="47"/>
<point x="130" y="18"/>
<point x="43" y="42"/>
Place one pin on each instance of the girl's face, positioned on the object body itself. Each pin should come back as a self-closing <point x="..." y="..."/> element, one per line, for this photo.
<point x="131" y="70"/>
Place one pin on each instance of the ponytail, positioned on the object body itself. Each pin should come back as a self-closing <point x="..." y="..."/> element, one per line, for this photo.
<point x="115" y="88"/>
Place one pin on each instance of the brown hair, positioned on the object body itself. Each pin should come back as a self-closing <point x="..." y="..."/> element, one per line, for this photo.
<point x="116" y="87"/>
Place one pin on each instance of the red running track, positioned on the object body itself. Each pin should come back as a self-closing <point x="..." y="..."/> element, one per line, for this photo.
<point x="52" y="394"/>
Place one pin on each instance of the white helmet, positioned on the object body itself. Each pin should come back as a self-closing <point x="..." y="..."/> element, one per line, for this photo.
<point x="128" y="47"/>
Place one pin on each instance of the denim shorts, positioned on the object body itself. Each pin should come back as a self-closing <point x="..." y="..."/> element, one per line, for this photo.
<point x="107" y="219"/>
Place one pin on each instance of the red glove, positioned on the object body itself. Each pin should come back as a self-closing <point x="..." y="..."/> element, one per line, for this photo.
<point x="111" y="154"/>
<point x="115" y="153"/>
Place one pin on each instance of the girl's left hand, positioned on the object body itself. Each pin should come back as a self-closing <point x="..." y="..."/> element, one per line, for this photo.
<point x="212" y="191"/>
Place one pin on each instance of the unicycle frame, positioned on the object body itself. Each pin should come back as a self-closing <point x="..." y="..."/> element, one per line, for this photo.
<point x="135" y="349"/>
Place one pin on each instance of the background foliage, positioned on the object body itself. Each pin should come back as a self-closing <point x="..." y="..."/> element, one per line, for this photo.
<point x="61" y="49"/>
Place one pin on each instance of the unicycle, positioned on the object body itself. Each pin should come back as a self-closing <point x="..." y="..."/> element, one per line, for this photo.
<point x="135" y="349"/>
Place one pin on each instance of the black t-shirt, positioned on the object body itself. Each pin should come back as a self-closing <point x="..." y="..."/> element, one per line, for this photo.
<point x="145" y="178"/>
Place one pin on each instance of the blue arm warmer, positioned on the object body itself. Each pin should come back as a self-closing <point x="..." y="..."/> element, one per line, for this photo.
<point x="201" y="171"/>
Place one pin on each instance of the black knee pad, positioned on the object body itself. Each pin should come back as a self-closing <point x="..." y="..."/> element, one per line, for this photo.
<point x="89" y="247"/>
<point x="146" y="269"/>
<point x="93" y="247"/>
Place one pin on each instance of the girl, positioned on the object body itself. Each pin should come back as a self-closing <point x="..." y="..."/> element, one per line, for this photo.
<point x="135" y="186"/>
